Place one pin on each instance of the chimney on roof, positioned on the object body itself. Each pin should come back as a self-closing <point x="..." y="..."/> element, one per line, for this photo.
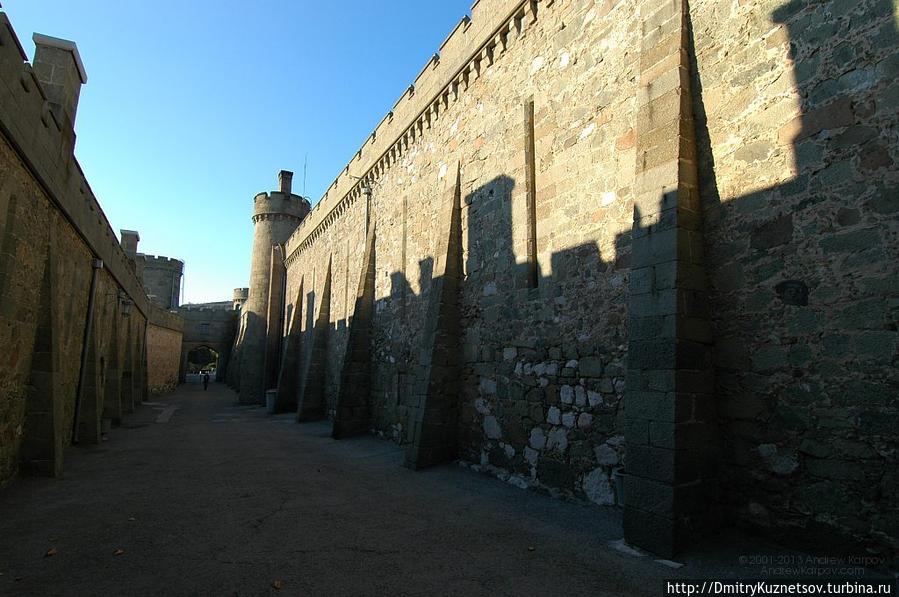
<point x="285" y="180"/>
<point x="130" y="238"/>
<point x="58" y="67"/>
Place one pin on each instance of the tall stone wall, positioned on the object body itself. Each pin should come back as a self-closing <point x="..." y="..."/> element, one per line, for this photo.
<point x="600" y="149"/>
<point x="56" y="249"/>
<point x="581" y="131"/>
<point x="542" y="360"/>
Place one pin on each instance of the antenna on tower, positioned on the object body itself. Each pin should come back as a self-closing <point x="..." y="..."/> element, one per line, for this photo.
<point x="305" y="159"/>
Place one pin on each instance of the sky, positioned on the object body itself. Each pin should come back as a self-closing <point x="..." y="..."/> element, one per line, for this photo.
<point x="193" y="106"/>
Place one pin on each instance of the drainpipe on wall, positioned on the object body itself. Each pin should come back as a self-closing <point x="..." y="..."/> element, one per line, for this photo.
<point x="96" y="265"/>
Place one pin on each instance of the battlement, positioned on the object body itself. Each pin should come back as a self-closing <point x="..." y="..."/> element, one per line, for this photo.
<point x="221" y="311"/>
<point x="277" y="203"/>
<point x="241" y="293"/>
<point x="470" y="48"/>
<point x="161" y="262"/>
<point x="28" y="121"/>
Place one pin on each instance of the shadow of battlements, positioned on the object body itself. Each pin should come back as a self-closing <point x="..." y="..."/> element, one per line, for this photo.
<point x="803" y="288"/>
<point x="802" y="282"/>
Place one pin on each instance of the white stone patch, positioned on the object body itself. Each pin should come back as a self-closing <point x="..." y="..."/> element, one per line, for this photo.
<point x="589" y="16"/>
<point x="531" y="456"/>
<point x="606" y="455"/>
<point x="481" y="406"/>
<point x="492" y="428"/>
<point x="566" y="394"/>
<point x="537" y="440"/>
<point x="554" y="416"/>
<point x="569" y="419"/>
<point x="442" y="172"/>
<point x="598" y="489"/>
<point x="607" y="199"/>
<point x="454" y="128"/>
<point x="552" y="369"/>
<point x="509" y="353"/>
<point x="537" y="64"/>
<point x="543" y="382"/>
<point x="564" y="59"/>
<point x="540" y="369"/>
<point x="594" y="398"/>
<point x="528" y="368"/>
<point x="588" y="130"/>
<point x="558" y="439"/>
<point x="509" y="450"/>
<point x="518" y="369"/>
<point x="488" y="386"/>
<point x="572" y="364"/>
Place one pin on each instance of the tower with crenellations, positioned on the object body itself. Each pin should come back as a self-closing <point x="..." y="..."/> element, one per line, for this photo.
<point x="275" y="217"/>
<point x="240" y="297"/>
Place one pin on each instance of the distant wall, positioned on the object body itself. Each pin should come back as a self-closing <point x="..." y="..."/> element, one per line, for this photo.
<point x="164" y="338"/>
<point x="213" y="326"/>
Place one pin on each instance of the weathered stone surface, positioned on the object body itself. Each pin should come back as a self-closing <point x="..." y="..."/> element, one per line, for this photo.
<point x="758" y="151"/>
<point x="56" y="250"/>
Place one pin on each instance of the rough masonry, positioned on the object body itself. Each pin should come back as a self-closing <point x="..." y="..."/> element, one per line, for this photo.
<point x="73" y="312"/>
<point x="676" y="289"/>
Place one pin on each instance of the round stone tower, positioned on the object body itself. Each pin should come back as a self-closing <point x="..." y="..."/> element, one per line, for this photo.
<point x="240" y="297"/>
<point x="275" y="216"/>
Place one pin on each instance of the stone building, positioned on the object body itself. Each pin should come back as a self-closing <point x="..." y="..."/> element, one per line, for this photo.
<point x="276" y="216"/>
<point x="73" y="312"/>
<point x="162" y="279"/>
<point x="628" y="251"/>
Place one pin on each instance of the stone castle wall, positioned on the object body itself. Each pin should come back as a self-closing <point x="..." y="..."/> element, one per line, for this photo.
<point x="164" y="338"/>
<point x="52" y="233"/>
<point x="212" y="326"/>
<point x="791" y="111"/>
<point x="543" y="366"/>
<point x="799" y="176"/>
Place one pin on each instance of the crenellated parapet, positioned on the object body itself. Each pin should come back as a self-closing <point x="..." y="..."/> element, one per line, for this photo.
<point x="278" y="205"/>
<point x="30" y="121"/>
<point x="161" y="262"/>
<point x="472" y="47"/>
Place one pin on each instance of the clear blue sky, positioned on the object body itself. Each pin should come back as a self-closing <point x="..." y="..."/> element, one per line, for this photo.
<point x="192" y="106"/>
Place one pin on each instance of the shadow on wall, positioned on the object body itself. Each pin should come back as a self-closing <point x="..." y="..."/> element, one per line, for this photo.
<point x="803" y="292"/>
<point x="804" y="286"/>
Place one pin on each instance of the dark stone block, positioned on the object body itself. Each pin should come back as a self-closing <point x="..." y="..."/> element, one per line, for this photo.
<point x="773" y="233"/>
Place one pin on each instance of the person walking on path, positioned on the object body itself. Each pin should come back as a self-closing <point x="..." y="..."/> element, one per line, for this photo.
<point x="206" y="381"/>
